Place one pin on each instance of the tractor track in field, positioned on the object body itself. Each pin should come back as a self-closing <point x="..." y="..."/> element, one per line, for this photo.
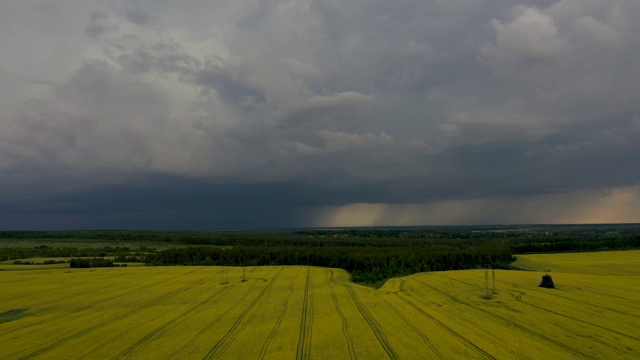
<point x="208" y="326"/>
<point x="515" y="353"/>
<point x="569" y="330"/>
<point x="226" y="340"/>
<point x="39" y="293"/>
<point x="19" y="296"/>
<point x="373" y="324"/>
<point x="425" y="339"/>
<point x="400" y="288"/>
<point x="345" y="327"/>
<point x="332" y="276"/>
<point x="343" y="319"/>
<point x="454" y="333"/>
<point x="292" y="289"/>
<point x="60" y="289"/>
<point x="518" y="297"/>
<point x="267" y="341"/>
<point x="615" y="296"/>
<point x="83" y="332"/>
<point x="404" y="297"/>
<point x="583" y="321"/>
<point x="274" y="331"/>
<point x="329" y="277"/>
<point x="516" y="325"/>
<point x="614" y="269"/>
<point x="304" y="337"/>
<point x="549" y="311"/>
<point x="83" y="308"/>
<point x="121" y="334"/>
<point x="138" y="345"/>
<point x="517" y="294"/>
<point x="598" y="307"/>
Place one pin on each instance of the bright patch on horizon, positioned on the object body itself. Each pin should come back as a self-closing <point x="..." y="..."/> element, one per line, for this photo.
<point x="618" y="205"/>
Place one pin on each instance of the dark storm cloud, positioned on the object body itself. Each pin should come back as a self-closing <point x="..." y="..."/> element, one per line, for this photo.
<point x="282" y="108"/>
<point x="138" y="16"/>
<point x="228" y="87"/>
<point x="168" y="202"/>
<point x="99" y="25"/>
<point x="164" y="56"/>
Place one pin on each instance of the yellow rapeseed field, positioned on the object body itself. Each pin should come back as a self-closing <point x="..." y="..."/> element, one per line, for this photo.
<point x="316" y="313"/>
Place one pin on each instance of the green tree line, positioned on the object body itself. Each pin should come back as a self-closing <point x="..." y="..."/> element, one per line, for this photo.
<point x="366" y="263"/>
<point x="369" y="254"/>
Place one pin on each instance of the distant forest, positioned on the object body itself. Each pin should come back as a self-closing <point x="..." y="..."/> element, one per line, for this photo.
<point x="371" y="255"/>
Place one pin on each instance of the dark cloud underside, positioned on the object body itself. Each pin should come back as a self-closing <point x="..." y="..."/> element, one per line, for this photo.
<point x="255" y="114"/>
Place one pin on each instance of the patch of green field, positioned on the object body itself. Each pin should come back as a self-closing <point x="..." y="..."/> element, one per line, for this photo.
<point x="11" y="315"/>
<point x="301" y="312"/>
<point x="596" y="263"/>
<point x="39" y="260"/>
<point x="9" y="266"/>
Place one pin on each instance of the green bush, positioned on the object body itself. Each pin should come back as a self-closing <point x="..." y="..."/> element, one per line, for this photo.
<point x="547" y="282"/>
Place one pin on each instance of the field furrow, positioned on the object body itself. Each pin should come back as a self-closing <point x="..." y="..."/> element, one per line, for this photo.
<point x="273" y="332"/>
<point x="514" y="324"/>
<point x="50" y="321"/>
<point x="373" y="324"/>
<point x="95" y="327"/>
<point x="139" y="345"/>
<point x="405" y="297"/>
<point x="474" y="330"/>
<point x="226" y="340"/>
<point x="345" y="326"/>
<point x="304" y="337"/>
<point x="567" y="309"/>
<point x="417" y="331"/>
<point x="179" y="351"/>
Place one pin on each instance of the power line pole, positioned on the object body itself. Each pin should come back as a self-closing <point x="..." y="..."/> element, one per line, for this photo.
<point x="223" y="281"/>
<point x="494" y="280"/>
<point x="244" y="272"/>
<point x="487" y="294"/>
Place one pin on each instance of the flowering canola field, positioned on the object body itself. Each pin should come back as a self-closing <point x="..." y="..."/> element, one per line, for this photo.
<point x="316" y="313"/>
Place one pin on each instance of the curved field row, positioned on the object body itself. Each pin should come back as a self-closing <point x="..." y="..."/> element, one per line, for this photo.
<point x="138" y="346"/>
<point x="146" y="322"/>
<point x="566" y="305"/>
<point x="267" y="341"/>
<point x="373" y="324"/>
<point x="226" y="340"/>
<point x="420" y="333"/>
<point x="468" y="344"/>
<point x="551" y="341"/>
<point x="29" y="291"/>
<point x="345" y="327"/>
<point x="178" y="351"/>
<point x="95" y="327"/>
<point x="276" y="327"/>
<point x="111" y="295"/>
<point x="476" y="336"/>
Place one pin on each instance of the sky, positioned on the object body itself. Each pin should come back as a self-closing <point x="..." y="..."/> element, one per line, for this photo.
<point x="259" y="114"/>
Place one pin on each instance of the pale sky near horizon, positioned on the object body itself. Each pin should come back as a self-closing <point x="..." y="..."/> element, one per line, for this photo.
<point x="290" y="113"/>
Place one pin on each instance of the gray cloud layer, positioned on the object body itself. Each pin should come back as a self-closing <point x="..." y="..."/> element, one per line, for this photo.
<point x="230" y="114"/>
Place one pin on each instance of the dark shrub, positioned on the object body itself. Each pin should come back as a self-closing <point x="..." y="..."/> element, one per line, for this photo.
<point x="547" y="282"/>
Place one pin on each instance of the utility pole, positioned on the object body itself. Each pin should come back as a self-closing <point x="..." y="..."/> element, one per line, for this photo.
<point x="487" y="295"/>
<point x="244" y="273"/>
<point x="223" y="280"/>
<point x="494" y="280"/>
